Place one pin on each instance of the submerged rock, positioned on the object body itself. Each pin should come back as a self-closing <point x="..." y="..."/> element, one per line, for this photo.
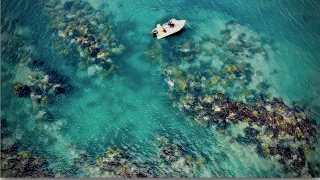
<point x="60" y="90"/>
<point x="21" y="90"/>
<point x="81" y="29"/>
<point x="233" y="94"/>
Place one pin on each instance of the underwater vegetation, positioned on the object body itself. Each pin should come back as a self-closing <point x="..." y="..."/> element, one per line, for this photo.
<point x="275" y="129"/>
<point x="177" y="160"/>
<point x="173" y="159"/>
<point x="113" y="163"/>
<point x="39" y="83"/>
<point x="79" y="29"/>
<point x="216" y="84"/>
<point x="40" y="87"/>
<point x="16" y="162"/>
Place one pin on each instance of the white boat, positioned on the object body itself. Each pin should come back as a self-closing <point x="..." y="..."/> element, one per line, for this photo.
<point x="168" y="28"/>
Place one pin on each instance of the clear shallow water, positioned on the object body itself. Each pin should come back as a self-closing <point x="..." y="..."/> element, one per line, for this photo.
<point x="131" y="108"/>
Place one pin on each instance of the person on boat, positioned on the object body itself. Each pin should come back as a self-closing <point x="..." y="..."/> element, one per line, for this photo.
<point x="161" y="28"/>
<point x="171" y="24"/>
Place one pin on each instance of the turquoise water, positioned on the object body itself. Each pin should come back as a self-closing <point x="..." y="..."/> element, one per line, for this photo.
<point x="131" y="108"/>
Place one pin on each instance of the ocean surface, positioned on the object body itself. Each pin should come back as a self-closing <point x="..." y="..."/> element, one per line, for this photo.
<point x="131" y="108"/>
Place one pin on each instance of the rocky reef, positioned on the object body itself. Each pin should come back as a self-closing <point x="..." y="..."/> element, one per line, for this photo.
<point x="79" y="29"/>
<point x="44" y="86"/>
<point x="23" y="165"/>
<point x="19" y="163"/>
<point x="217" y="82"/>
<point x="171" y="159"/>
<point x="21" y="90"/>
<point x="277" y="130"/>
<point x="30" y="76"/>
<point x="115" y="163"/>
<point x="175" y="159"/>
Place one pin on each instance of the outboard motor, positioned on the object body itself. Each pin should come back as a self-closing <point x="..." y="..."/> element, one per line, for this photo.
<point x="154" y="32"/>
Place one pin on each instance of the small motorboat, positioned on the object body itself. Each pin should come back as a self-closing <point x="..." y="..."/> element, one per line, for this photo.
<point x="168" y="28"/>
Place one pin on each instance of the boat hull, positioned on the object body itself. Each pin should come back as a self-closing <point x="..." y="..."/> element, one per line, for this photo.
<point x="178" y="25"/>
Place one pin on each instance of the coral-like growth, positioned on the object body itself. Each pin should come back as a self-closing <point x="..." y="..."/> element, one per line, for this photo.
<point x="21" y="90"/>
<point x="80" y="29"/>
<point x="219" y="87"/>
